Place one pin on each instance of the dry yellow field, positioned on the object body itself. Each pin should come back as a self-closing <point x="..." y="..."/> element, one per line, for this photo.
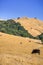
<point x="16" y="50"/>
<point x="34" y="26"/>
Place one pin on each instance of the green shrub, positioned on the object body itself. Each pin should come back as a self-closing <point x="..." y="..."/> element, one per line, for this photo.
<point x="40" y="37"/>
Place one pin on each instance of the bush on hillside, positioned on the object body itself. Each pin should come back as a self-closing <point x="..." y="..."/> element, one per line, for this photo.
<point x="18" y="18"/>
<point x="35" y="17"/>
<point x="40" y="37"/>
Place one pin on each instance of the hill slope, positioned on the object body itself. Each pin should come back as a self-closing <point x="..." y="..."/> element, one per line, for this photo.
<point x="16" y="50"/>
<point x="14" y="28"/>
<point x="34" y="26"/>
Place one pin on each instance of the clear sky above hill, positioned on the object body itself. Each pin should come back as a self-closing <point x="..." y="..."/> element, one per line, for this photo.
<point x="20" y="8"/>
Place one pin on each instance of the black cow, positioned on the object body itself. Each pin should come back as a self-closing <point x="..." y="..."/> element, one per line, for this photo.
<point x="36" y="51"/>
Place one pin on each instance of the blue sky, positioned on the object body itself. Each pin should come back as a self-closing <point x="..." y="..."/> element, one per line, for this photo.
<point x="20" y="8"/>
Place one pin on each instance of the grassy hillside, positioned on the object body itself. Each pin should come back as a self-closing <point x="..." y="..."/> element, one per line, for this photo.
<point x="16" y="43"/>
<point x="33" y="25"/>
<point x="15" y="28"/>
<point x="16" y="50"/>
<point x="11" y="27"/>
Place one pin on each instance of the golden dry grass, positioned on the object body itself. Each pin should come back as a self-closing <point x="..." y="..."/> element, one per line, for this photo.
<point x="34" y="26"/>
<point x="16" y="50"/>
